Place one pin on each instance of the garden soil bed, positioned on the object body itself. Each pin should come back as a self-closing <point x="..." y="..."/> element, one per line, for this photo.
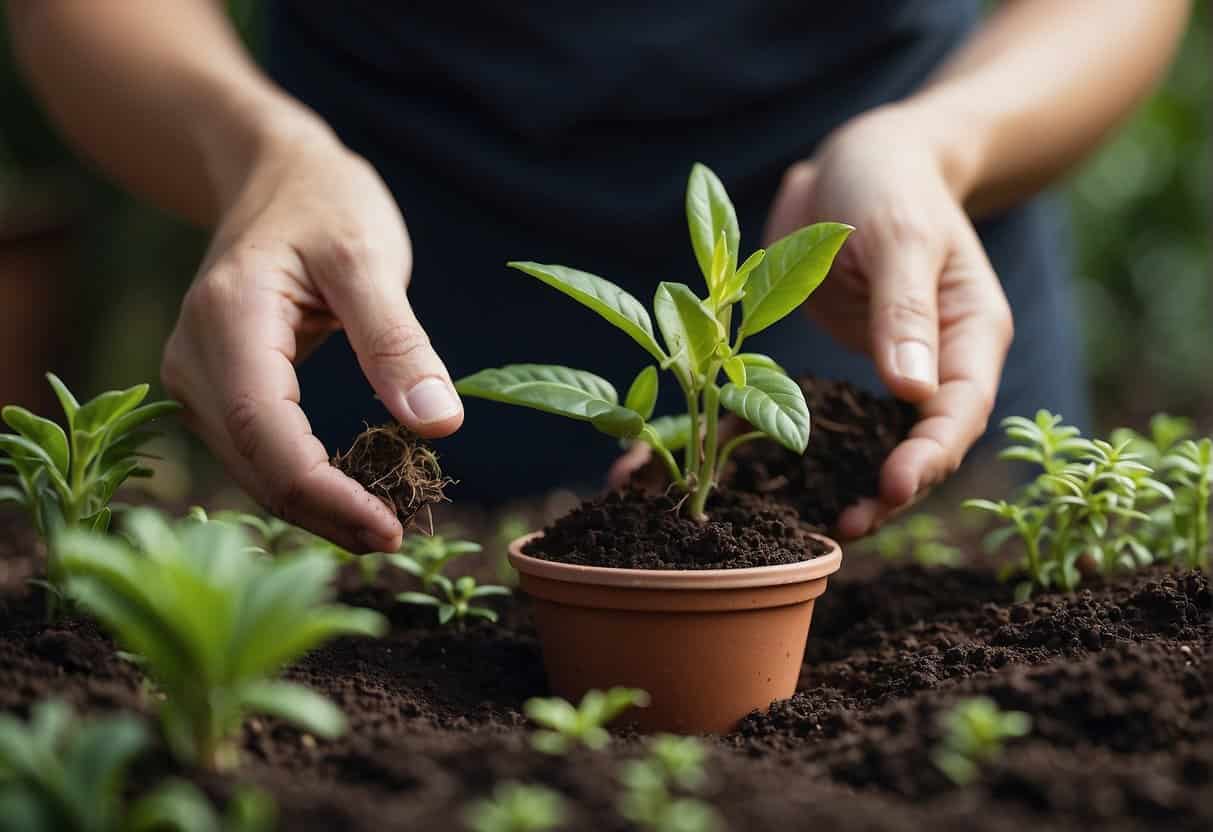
<point x="1116" y="678"/>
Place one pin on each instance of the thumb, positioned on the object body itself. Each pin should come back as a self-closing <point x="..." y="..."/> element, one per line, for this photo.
<point x="394" y="351"/>
<point x="904" y="317"/>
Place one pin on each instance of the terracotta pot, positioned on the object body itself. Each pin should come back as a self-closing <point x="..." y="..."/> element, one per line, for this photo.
<point x="709" y="646"/>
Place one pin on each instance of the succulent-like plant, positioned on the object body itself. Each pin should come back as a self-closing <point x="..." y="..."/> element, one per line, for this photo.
<point x="649" y="799"/>
<point x="1188" y="469"/>
<point x="426" y="556"/>
<point x="566" y="726"/>
<point x="974" y="733"/>
<point x="454" y="599"/>
<point x="60" y="773"/>
<point x="699" y="346"/>
<point x="515" y="807"/>
<point x="213" y="624"/>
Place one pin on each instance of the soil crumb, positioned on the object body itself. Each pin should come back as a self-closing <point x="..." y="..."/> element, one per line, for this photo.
<point x="395" y="465"/>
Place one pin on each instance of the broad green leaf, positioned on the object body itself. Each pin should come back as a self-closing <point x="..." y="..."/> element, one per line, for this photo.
<point x="757" y="359"/>
<point x="174" y="805"/>
<point x="48" y="435"/>
<point x="734" y="368"/>
<point x="11" y="494"/>
<point x="66" y="400"/>
<point x="485" y="591"/>
<point x="104" y="410"/>
<point x="792" y="269"/>
<point x="551" y="712"/>
<point x="642" y="395"/>
<point x="559" y="390"/>
<point x="100" y="752"/>
<point x="709" y="214"/>
<point x="141" y="416"/>
<point x="672" y="431"/>
<point x="774" y="404"/>
<point x="28" y="457"/>
<point x="418" y="598"/>
<point x="689" y="329"/>
<point x="304" y="707"/>
<point x="445" y="613"/>
<point x="483" y="612"/>
<point x="603" y="296"/>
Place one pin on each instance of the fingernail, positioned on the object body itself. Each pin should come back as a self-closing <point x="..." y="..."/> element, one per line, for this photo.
<point x="914" y="362"/>
<point x="432" y="400"/>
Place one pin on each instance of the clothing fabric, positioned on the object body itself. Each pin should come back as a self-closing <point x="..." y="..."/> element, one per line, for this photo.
<point x="564" y="133"/>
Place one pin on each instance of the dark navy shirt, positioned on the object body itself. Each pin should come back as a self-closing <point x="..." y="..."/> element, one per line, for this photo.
<point x="564" y="132"/>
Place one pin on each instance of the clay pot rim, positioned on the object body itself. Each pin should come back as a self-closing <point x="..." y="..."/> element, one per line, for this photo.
<point x="688" y="579"/>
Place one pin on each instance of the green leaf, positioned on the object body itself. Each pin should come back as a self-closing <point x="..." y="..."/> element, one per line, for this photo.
<point x="100" y="752"/>
<point x="792" y="269"/>
<point x="757" y="359"/>
<point x="774" y="404"/>
<point x="10" y="494"/>
<point x="690" y="331"/>
<point x="175" y="804"/>
<point x="674" y="432"/>
<point x="603" y="296"/>
<point x="48" y="435"/>
<point x="141" y="416"/>
<point x="559" y="390"/>
<point x="720" y="265"/>
<point x="296" y="704"/>
<point x="107" y="408"/>
<point x="710" y="213"/>
<point x="66" y="400"/>
<point x="734" y="368"/>
<point x="445" y="613"/>
<point x="418" y="598"/>
<point x="642" y="395"/>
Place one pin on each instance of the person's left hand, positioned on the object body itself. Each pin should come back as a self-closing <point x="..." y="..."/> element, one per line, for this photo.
<point x="912" y="288"/>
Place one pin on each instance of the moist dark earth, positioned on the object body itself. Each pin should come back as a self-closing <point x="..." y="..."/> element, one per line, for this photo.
<point x="1116" y="678"/>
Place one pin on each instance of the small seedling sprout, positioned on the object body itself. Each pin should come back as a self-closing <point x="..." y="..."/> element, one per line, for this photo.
<point x="213" y="624"/>
<point x="649" y="798"/>
<point x="919" y="538"/>
<point x="565" y="726"/>
<point x="425" y="556"/>
<point x="61" y="773"/>
<point x="1189" y="471"/>
<point x="454" y="599"/>
<point x="700" y="348"/>
<point x="974" y="733"/>
<point x="515" y="807"/>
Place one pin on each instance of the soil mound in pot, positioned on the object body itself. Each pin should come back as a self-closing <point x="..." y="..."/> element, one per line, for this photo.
<point x="395" y="465"/>
<point x="633" y="530"/>
<point x="851" y="435"/>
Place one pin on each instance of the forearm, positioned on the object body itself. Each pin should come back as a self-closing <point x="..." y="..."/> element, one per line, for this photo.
<point x="1038" y="87"/>
<point x="160" y="93"/>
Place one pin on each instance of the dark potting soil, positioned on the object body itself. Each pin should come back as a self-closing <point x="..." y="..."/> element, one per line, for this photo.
<point x="396" y="466"/>
<point x="630" y="529"/>
<point x="1115" y="677"/>
<point x="851" y="433"/>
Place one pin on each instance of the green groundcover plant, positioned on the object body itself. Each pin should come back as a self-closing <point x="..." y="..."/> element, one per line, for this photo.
<point x="565" y="726"/>
<point x="650" y="786"/>
<point x="426" y="556"/>
<point x="515" y="807"/>
<point x="454" y="600"/>
<point x="921" y="538"/>
<point x="699" y="346"/>
<point x="974" y="733"/>
<point x="213" y="624"/>
<point x="59" y="773"/>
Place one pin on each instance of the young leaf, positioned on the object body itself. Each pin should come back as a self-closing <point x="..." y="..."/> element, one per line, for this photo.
<point x="603" y="296"/>
<point x="66" y="400"/>
<point x="756" y="359"/>
<point x="774" y="404"/>
<point x="792" y="269"/>
<point x="734" y="368"/>
<point x="108" y="407"/>
<point x="642" y="395"/>
<point x="297" y="704"/>
<point x="688" y="328"/>
<point x="720" y="265"/>
<point x="673" y="432"/>
<point x="709" y="214"/>
<point x="49" y="436"/>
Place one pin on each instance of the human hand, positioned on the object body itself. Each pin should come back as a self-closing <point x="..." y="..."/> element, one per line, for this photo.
<point x="912" y="288"/>
<point x="311" y="242"/>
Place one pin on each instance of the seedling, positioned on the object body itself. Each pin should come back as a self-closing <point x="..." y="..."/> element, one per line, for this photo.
<point x="1088" y="500"/>
<point x="509" y="529"/>
<point x="919" y="538"/>
<point x="698" y="346"/>
<point x="567" y="726"/>
<point x="1189" y="471"/>
<point x="517" y="808"/>
<point x="65" y="479"/>
<point x="426" y="556"/>
<point x="59" y="773"/>
<point x="213" y="624"/>
<point x="649" y="800"/>
<point x="974" y="733"/>
<point x="454" y="599"/>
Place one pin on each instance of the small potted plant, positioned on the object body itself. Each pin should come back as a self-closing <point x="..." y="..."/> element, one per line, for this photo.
<point x="702" y="596"/>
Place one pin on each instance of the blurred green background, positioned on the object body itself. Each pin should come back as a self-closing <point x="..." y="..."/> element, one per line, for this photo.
<point x="89" y="279"/>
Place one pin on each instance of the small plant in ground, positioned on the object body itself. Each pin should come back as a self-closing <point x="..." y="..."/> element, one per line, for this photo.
<point x="510" y="528"/>
<point x="454" y="599"/>
<point x="65" y="479"/>
<point x="699" y="346"/>
<point x="649" y="799"/>
<point x="426" y="556"/>
<point x="1088" y="500"/>
<point x="515" y="807"/>
<point x="1188" y="469"/>
<point x="919" y="538"/>
<point x="59" y="773"/>
<point x="566" y="726"/>
<point x="212" y="624"/>
<point x="974" y="733"/>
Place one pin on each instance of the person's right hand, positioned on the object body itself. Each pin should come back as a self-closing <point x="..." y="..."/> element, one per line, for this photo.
<point x="312" y="242"/>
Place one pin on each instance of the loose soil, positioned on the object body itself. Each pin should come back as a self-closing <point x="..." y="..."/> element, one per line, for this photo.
<point x="1115" y="677"/>
<point x="634" y="530"/>
<point x="851" y="434"/>
<point x="397" y="467"/>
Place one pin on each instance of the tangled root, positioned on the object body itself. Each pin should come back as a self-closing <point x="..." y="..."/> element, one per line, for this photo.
<point x="395" y="465"/>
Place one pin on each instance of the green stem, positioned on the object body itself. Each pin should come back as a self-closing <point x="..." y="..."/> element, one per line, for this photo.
<point x="731" y="446"/>
<point x="650" y="436"/>
<point x="705" y="476"/>
<point x="692" y="450"/>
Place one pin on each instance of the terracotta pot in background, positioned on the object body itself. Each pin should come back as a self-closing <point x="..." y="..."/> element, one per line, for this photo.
<point x="709" y="646"/>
